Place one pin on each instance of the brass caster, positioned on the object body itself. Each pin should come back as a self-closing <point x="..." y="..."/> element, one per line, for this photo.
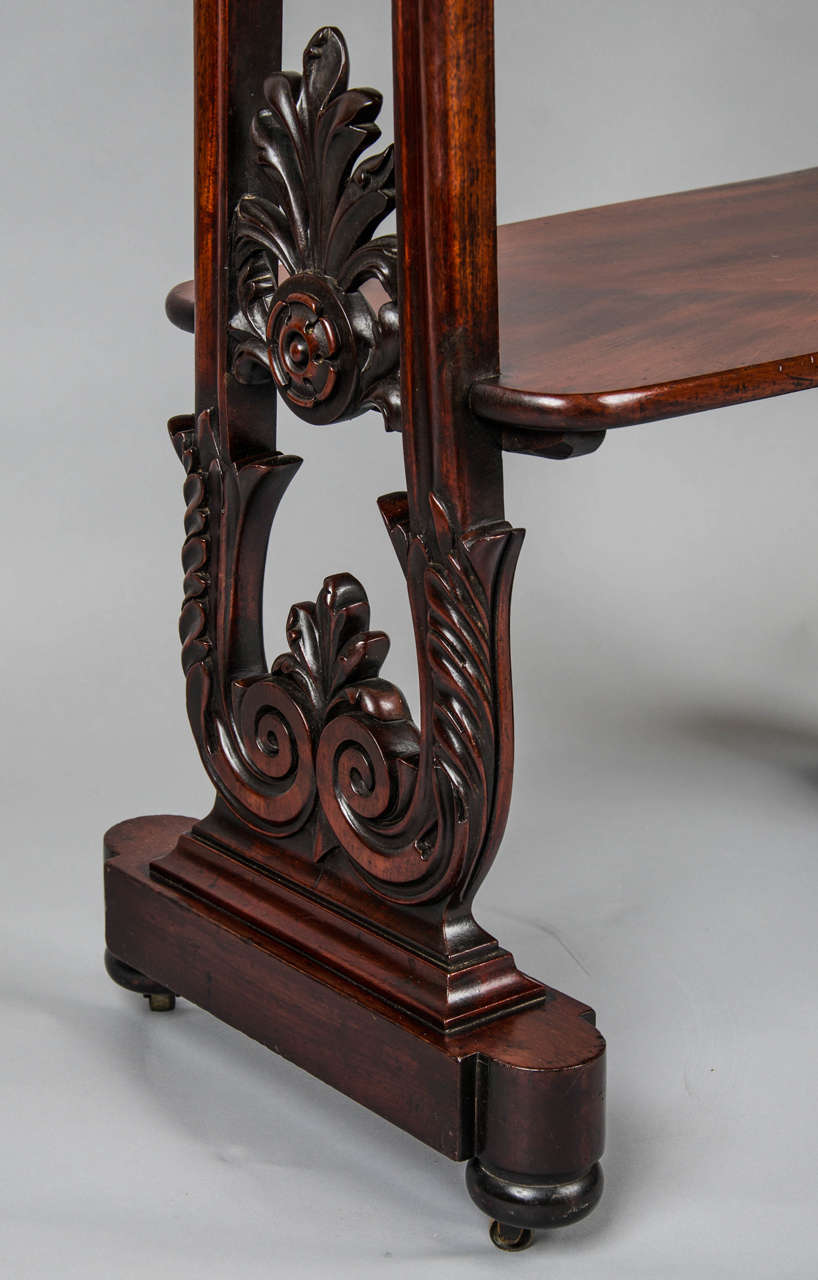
<point x="510" y="1239"/>
<point x="161" y="1001"/>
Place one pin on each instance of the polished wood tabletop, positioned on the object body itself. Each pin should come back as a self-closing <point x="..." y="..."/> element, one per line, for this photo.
<point x="641" y="310"/>
<point x="651" y="308"/>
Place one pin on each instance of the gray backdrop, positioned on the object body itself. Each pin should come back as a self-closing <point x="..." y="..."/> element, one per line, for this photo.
<point x="659" y="861"/>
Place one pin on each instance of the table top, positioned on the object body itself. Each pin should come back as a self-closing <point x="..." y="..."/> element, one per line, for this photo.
<point x="650" y="308"/>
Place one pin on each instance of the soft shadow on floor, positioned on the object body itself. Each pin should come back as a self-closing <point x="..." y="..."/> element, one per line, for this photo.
<point x="787" y="744"/>
<point x="238" y="1100"/>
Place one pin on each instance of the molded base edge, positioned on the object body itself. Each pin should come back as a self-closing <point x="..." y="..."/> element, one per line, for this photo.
<point x="523" y="1093"/>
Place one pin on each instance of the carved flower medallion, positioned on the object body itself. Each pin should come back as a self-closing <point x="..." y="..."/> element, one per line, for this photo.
<point x="304" y="251"/>
<point x="308" y="332"/>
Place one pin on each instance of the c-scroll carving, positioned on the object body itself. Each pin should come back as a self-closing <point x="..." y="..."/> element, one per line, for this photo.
<point x="304" y="253"/>
<point x="427" y="826"/>
<point x="258" y="728"/>
<point x="319" y="742"/>
<point x="317" y="751"/>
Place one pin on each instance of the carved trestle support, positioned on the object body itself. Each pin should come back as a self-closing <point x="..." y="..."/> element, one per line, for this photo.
<point x="319" y="749"/>
<point x="324" y="906"/>
<point x="320" y="738"/>
<point x="319" y="745"/>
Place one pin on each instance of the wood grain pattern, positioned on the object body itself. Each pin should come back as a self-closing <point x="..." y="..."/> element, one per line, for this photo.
<point x="443" y="63"/>
<point x="238" y="44"/>
<point x="649" y="309"/>
<point x="652" y="308"/>
<point x="320" y="754"/>
<point x="324" y="906"/>
<point x="525" y="1093"/>
<point x="318" y="751"/>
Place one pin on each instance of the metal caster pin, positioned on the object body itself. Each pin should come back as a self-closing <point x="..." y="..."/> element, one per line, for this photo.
<point x="510" y="1239"/>
<point x="161" y="1001"/>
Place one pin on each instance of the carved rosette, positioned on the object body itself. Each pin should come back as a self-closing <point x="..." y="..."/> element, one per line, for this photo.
<point x="304" y="256"/>
<point x="317" y="750"/>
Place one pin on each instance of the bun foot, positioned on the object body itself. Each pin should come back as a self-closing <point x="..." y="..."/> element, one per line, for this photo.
<point x="510" y="1239"/>
<point x="159" y="998"/>
<point x="520" y="1204"/>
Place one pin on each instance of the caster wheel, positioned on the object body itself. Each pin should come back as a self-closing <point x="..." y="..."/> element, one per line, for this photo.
<point x="161" y="1001"/>
<point x="510" y="1239"/>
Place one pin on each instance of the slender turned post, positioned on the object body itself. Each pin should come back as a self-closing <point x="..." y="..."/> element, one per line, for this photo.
<point x="447" y="231"/>
<point x="238" y="45"/>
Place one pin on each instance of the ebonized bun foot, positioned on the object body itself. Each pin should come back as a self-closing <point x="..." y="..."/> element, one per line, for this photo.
<point x="518" y="1202"/>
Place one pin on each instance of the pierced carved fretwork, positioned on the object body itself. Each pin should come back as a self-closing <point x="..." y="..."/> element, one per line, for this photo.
<point x="323" y="905"/>
<point x="317" y="750"/>
<point x="319" y="741"/>
<point x="258" y="729"/>
<point x="304" y="257"/>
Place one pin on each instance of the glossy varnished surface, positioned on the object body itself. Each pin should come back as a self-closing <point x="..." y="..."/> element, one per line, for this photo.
<point x="535" y="1106"/>
<point x="324" y="906"/>
<point x="180" y="306"/>
<point x="651" y="308"/>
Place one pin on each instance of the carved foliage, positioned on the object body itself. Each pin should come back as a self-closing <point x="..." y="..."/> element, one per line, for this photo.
<point x="196" y="643"/>
<point x="258" y="729"/>
<point x="330" y="643"/>
<point x="319" y="745"/>
<point x="304" y="252"/>
<point x="317" y="750"/>
<point x="425" y="823"/>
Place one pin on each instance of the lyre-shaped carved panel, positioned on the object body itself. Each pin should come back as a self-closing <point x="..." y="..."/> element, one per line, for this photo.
<point x="317" y="751"/>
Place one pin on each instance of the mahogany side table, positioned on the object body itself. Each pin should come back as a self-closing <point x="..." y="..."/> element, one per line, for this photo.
<point x="324" y="905"/>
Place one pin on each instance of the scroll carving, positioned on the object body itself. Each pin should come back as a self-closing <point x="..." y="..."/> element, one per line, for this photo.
<point x="258" y="729"/>
<point x="424" y="825"/>
<point x="304" y="254"/>
<point x="317" y="750"/>
<point x="319" y="742"/>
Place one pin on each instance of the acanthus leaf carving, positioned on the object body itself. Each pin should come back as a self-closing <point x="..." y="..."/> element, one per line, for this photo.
<point x="320" y="741"/>
<point x="304" y="254"/>
<point x="425" y="823"/>
<point x="258" y="728"/>
<point x="330" y="642"/>
<point x="318" y="749"/>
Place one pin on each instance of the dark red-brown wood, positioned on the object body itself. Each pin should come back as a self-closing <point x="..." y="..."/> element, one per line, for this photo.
<point x="238" y="44"/>
<point x="648" y="309"/>
<point x="525" y="1093"/>
<point x="447" y="225"/>
<point x="324" y="906"/>
<point x="653" y="308"/>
